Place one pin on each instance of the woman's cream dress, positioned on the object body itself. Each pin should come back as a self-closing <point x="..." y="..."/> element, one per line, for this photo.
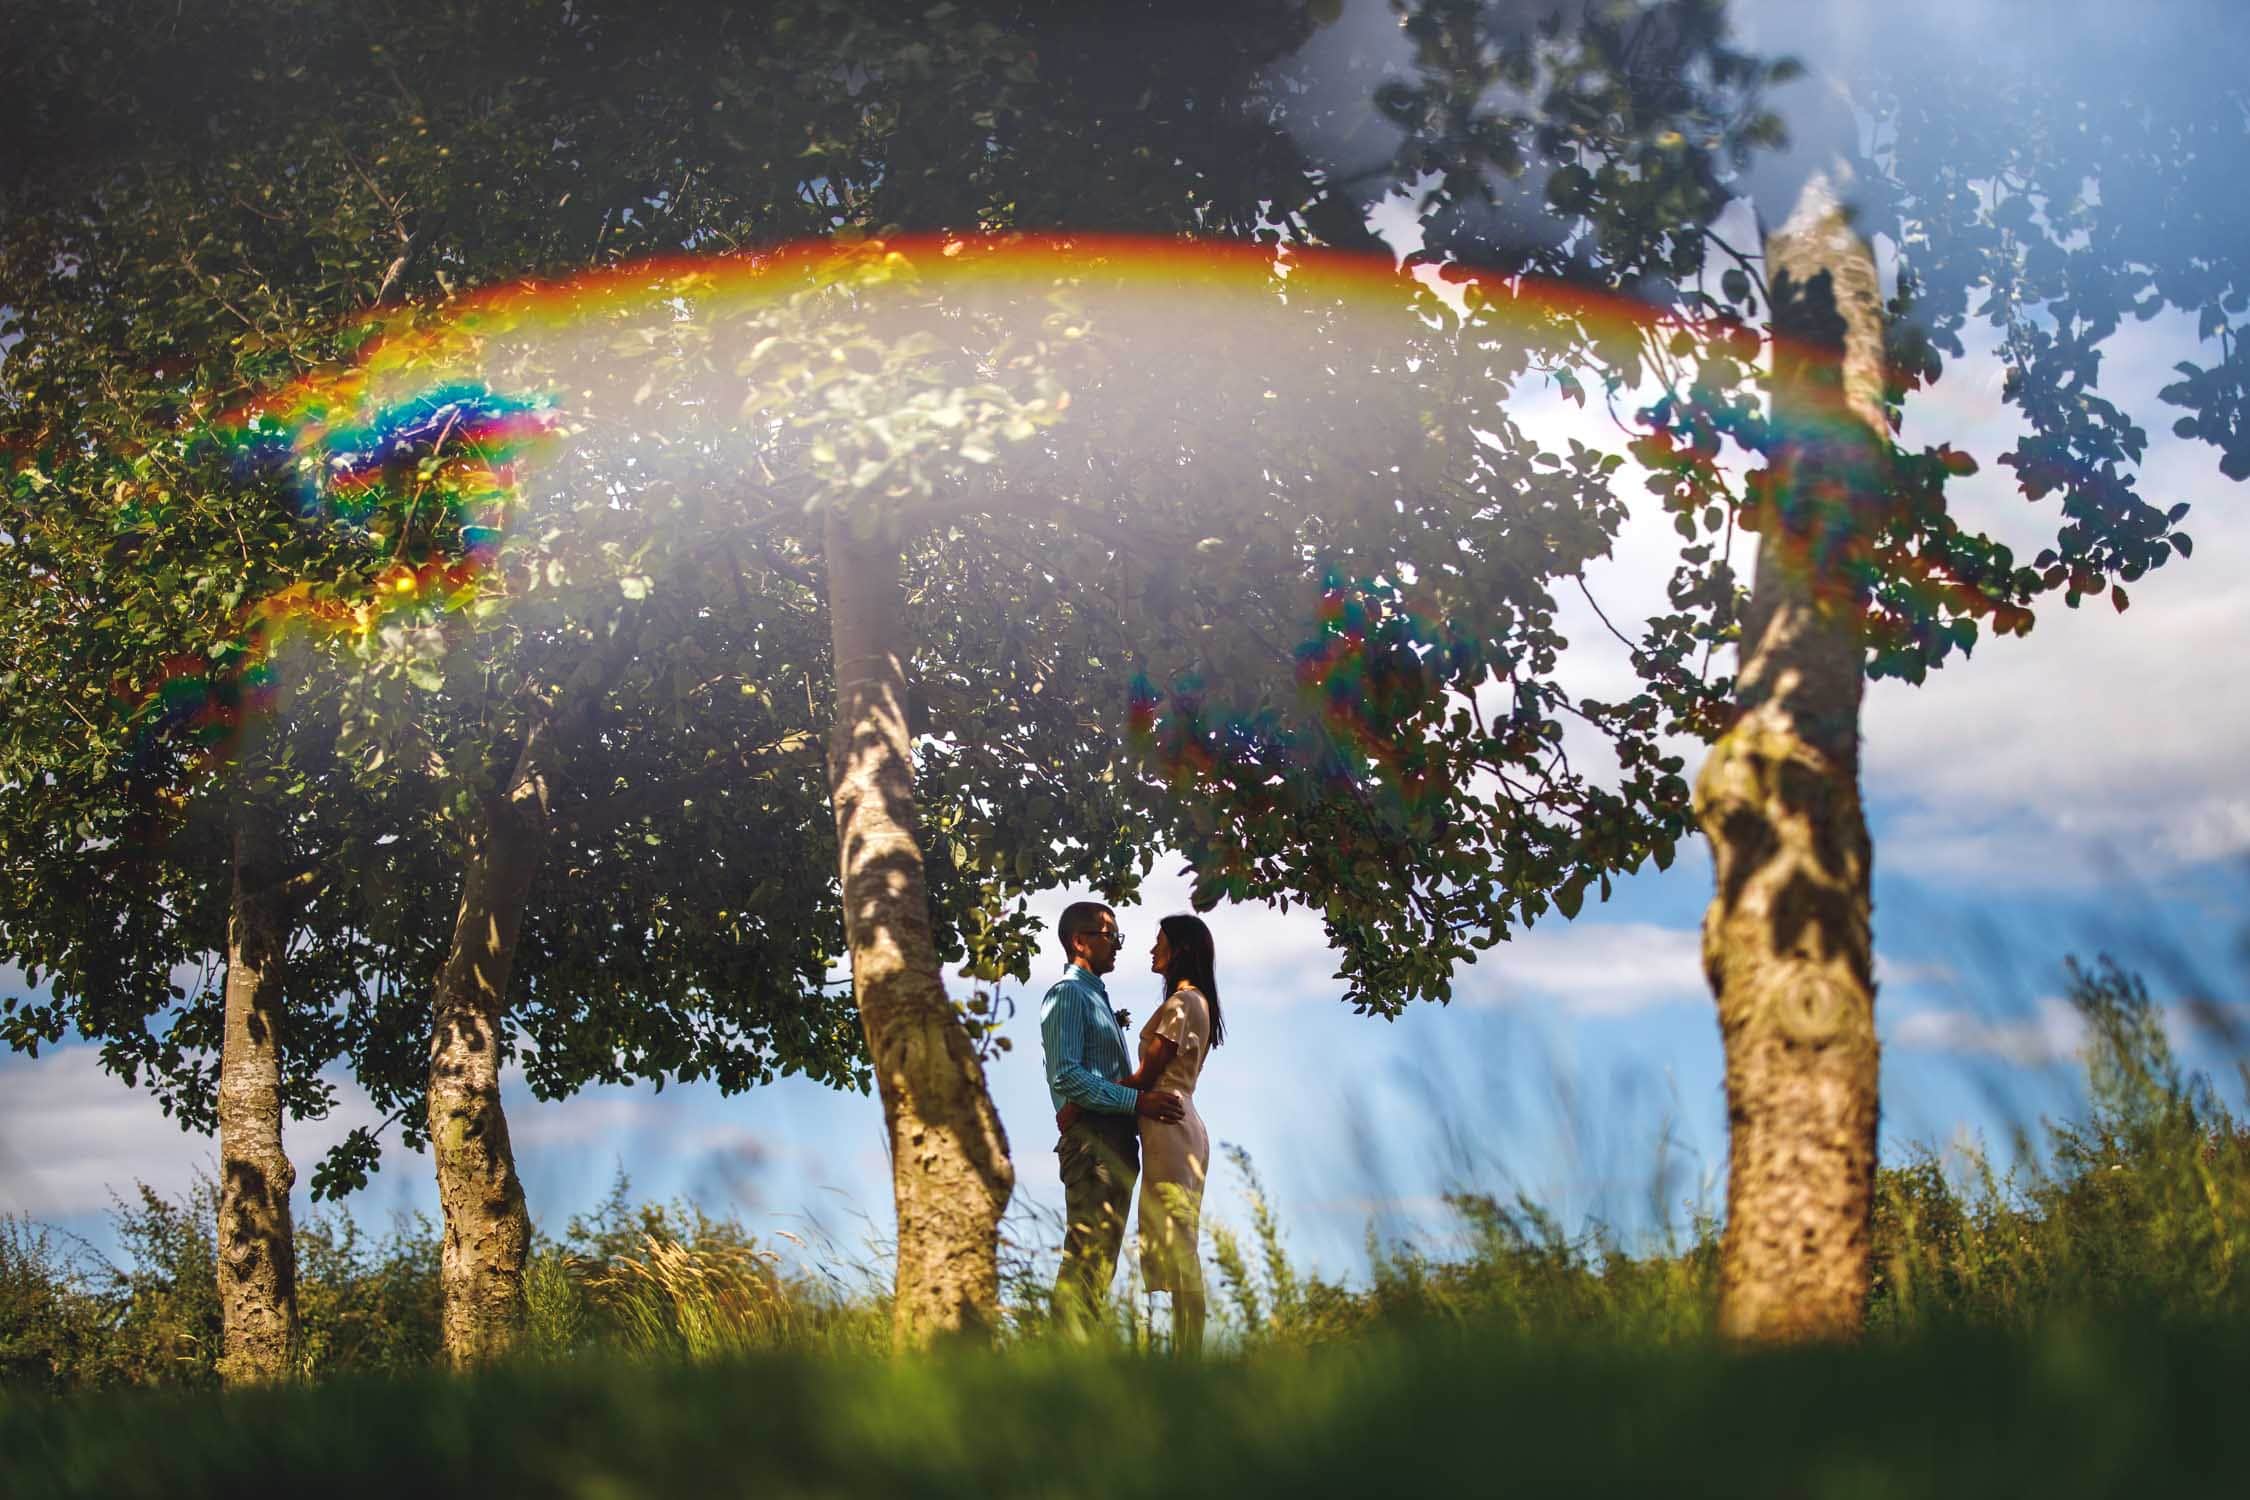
<point x="1175" y="1154"/>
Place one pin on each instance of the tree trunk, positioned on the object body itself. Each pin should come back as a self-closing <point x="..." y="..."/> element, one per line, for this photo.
<point x="950" y="1172"/>
<point x="1786" y="941"/>
<point x="257" y="1247"/>
<point x="487" y="1227"/>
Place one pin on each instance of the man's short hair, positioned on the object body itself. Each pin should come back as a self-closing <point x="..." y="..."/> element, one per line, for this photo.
<point x="1080" y="918"/>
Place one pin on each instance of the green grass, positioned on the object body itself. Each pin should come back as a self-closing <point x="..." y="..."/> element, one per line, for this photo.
<point x="2079" y="1410"/>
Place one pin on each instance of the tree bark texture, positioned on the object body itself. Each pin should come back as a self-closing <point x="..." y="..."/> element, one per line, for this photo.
<point x="257" y="1245"/>
<point x="1787" y="939"/>
<point x="487" y="1226"/>
<point x="950" y="1170"/>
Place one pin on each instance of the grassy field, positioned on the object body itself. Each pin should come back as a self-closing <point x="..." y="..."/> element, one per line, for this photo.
<point x="2081" y="1327"/>
<point x="2128" y="1408"/>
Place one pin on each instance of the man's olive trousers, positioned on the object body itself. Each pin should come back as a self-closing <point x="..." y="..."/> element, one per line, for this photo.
<point x="1101" y="1160"/>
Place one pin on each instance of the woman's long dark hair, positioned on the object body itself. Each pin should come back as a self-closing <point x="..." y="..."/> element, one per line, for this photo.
<point x="1194" y="956"/>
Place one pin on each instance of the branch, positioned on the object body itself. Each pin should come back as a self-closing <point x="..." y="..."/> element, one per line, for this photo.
<point x="396" y="271"/>
<point x="218" y="294"/>
<point x="411" y="242"/>
<point x="1744" y="261"/>
<point x="1580" y="580"/>
<point x="248" y="207"/>
<point x="787" y="567"/>
<point x="383" y="200"/>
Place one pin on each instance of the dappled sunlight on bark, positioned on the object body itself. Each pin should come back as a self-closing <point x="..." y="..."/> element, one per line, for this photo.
<point x="949" y="1153"/>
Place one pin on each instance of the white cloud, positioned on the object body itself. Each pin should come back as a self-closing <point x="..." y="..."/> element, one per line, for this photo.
<point x="2051" y="1034"/>
<point x="1265" y="956"/>
<point x="1591" y="968"/>
<point x="1890" y="974"/>
<point x="1271" y="958"/>
<point x="69" y="1133"/>
<point x="578" y="1122"/>
<point x="2099" y="737"/>
<point x="72" y="1134"/>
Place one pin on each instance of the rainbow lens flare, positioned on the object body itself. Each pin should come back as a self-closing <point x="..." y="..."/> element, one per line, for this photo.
<point x="424" y="485"/>
<point x="1189" y="373"/>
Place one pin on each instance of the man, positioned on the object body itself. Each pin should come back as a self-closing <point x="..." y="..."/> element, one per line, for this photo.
<point x="1086" y="1056"/>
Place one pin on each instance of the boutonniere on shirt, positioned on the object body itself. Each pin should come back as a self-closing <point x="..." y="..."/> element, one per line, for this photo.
<point x="1124" y="1019"/>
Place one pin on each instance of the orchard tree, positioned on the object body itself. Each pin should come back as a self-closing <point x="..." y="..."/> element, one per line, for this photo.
<point x="1615" y="148"/>
<point x="200" y="222"/>
<point x="146" y="831"/>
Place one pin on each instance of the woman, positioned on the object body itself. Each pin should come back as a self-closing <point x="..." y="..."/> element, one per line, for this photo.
<point x="1175" y="1154"/>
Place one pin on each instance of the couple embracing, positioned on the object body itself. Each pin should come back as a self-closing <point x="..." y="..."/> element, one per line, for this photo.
<point x="1125" y="1116"/>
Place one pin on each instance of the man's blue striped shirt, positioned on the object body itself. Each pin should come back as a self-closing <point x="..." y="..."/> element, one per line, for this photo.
<point x="1084" y="1046"/>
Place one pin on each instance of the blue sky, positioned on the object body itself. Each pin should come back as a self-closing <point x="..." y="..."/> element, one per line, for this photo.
<point x="2074" y="792"/>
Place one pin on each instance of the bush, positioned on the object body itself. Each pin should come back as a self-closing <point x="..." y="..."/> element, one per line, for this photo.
<point x="70" y="1320"/>
<point x="368" y="1306"/>
<point x="51" y="1321"/>
<point x="2144" y="1205"/>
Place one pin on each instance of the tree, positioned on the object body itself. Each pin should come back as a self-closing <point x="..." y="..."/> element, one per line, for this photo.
<point x="459" y="176"/>
<point x="118" y="873"/>
<point x="1603" y="146"/>
<point x="292" y="207"/>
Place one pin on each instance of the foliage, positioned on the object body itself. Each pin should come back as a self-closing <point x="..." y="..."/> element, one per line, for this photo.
<point x="213" y="209"/>
<point x="367" y="1303"/>
<point x="74" y="1321"/>
<point x="1605" y="153"/>
<point x="288" y="171"/>
<point x="2144" y="1204"/>
<point x="2091" y="1314"/>
<point x="443" y="163"/>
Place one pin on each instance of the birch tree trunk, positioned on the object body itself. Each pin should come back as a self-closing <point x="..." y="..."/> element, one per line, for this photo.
<point x="487" y="1227"/>
<point x="257" y="1246"/>
<point x="950" y="1172"/>
<point x="1786" y="941"/>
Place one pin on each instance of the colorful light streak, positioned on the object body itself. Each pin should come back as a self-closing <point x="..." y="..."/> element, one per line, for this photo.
<point x="1379" y="659"/>
<point x="420" y="416"/>
<point x="438" y="471"/>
